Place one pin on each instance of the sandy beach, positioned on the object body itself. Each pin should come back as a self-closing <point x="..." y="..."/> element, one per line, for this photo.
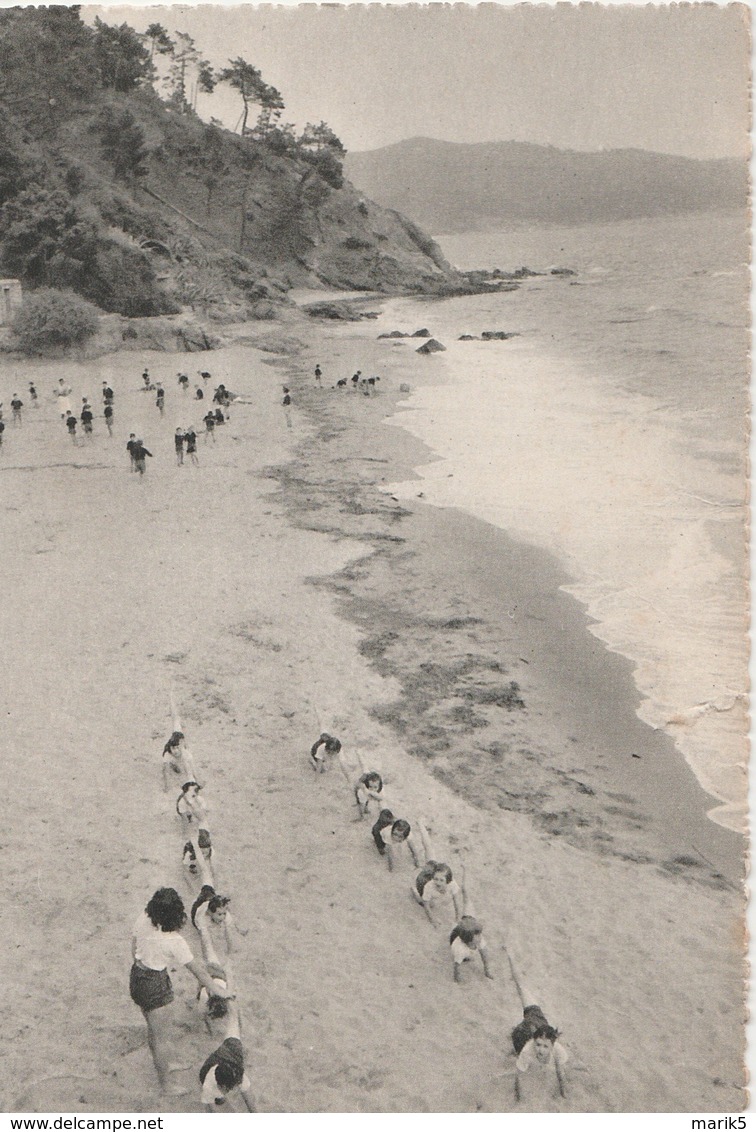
<point x="276" y="591"/>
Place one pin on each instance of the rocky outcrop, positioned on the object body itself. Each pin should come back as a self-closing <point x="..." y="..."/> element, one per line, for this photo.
<point x="432" y="346"/>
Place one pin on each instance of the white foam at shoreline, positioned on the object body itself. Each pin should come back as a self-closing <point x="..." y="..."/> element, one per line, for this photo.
<point x="547" y="451"/>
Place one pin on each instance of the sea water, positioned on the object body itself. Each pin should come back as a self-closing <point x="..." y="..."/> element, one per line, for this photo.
<point x="613" y="432"/>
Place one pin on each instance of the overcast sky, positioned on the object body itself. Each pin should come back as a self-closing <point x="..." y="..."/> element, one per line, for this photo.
<point x="671" y="79"/>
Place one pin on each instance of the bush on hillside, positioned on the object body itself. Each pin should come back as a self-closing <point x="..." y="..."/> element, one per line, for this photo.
<point x="50" y="320"/>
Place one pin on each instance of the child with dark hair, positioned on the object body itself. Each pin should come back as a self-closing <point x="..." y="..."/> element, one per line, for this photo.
<point x="177" y="758"/>
<point x="330" y="745"/>
<point x="190" y="436"/>
<point x="86" y="417"/>
<point x="156" y="944"/>
<point x="540" y="1067"/>
<point x="434" y="887"/>
<point x="193" y="813"/>
<point x="71" y="423"/>
<point x="389" y="833"/>
<point x="210" y="915"/>
<point x="466" y="941"/>
<point x="368" y="790"/>
<point x="139" y="452"/>
<point x="532" y="1018"/>
<point x="222" y="1074"/>
<point x="107" y="412"/>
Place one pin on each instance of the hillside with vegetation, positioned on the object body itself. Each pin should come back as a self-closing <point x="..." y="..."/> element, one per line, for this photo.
<point x="450" y="186"/>
<point x="112" y="187"/>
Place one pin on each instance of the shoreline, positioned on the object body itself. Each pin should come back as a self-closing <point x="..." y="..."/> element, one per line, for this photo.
<point x="581" y="699"/>
<point x="199" y="584"/>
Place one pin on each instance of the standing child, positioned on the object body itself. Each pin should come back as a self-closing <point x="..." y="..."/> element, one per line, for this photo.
<point x="190" y="436"/>
<point x="139" y="452"/>
<point x="178" y="443"/>
<point x="107" y="412"/>
<point x="16" y="405"/>
<point x="209" y="420"/>
<point x="160" y="399"/>
<point x="71" y="426"/>
<point x="33" y="394"/>
<point x="87" y="416"/>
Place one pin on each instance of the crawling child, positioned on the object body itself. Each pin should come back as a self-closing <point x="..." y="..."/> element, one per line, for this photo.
<point x="389" y="833"/>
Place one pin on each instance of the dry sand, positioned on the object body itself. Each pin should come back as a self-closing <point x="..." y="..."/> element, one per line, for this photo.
<point x="275" y="592"/>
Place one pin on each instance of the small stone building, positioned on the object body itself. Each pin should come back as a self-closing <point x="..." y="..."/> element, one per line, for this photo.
<point x="10" y="300"/>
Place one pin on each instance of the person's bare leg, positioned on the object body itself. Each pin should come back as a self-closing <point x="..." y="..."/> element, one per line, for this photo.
<point x="158" y="1027"/>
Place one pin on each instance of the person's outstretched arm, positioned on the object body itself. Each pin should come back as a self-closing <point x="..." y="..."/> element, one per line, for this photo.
<point x="205" y="979"/>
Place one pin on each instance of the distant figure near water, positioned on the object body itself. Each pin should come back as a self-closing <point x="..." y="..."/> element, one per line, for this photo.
<point x="139" y="452"/>
<point x="63" y="393"/>
<point x="287" y="405"/>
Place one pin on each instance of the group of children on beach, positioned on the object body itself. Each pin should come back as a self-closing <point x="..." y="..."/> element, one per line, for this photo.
<point x="365" y="385"/>
<point x="81" y="428"/>
<point x="157" y="945"/>
<point x="541" y="1058"/>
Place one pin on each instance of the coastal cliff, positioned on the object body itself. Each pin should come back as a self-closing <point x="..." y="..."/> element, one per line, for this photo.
<point x="136" y="204"/>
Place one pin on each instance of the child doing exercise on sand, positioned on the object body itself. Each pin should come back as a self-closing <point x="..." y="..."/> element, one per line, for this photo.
<point x="222" y="1075"/>
<point x="176" y="758"/>
<point x="540" y="1068"/>
<point x="466" y="941"/>
<point x="436" y="889"/>
<point x="330" y="745"/>
<point x="368" y="792"/>
<point x="389" y="833"/>
<point x="193" y="813"/>
<point x="211" y="917"/>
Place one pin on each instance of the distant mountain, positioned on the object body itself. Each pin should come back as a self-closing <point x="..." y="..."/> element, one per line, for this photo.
<point x="447" y="186"/>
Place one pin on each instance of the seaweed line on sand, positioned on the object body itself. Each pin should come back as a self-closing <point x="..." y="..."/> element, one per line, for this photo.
<point x="460" y="710"/>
